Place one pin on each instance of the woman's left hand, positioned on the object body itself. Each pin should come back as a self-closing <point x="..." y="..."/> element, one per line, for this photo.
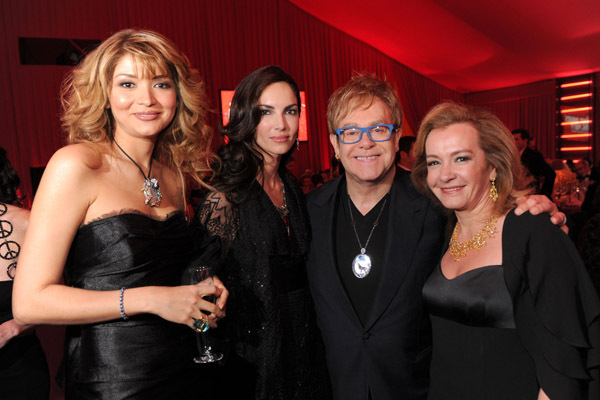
<point x="221" y="300"/>
<point x="10" y="329"/>
<point x="538" y="203"/>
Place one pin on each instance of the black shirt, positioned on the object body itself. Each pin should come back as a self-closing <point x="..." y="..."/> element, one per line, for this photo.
<point x="360" y="291"/>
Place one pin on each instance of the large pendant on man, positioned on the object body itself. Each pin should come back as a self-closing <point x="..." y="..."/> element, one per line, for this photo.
<point x="361" y="265"/>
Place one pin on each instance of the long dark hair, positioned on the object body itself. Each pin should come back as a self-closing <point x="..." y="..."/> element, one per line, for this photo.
<point x="9" y="181"/>
<point x="241" y="160"/>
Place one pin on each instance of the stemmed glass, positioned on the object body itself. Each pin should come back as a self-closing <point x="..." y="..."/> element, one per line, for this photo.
<point x="202" y="275"/>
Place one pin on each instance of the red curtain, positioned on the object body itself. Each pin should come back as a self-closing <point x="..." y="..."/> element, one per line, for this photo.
<point x="224" y="39"/>
<point x="531" y="107"/>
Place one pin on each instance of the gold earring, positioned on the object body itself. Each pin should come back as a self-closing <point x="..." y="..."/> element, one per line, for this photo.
<point x="337" y="157"/>
<point x="493" y="191"/>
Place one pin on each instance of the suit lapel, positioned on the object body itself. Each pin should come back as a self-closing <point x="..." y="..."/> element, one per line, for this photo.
<point x="407" y="213"/>
<point x="325" y="238"/>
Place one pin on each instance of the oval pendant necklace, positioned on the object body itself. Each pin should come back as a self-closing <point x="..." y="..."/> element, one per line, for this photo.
<point x="152" y="194"/>
<point x="361" y="265"/>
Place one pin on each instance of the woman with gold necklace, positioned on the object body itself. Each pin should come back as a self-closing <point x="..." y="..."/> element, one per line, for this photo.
<point x="109" y="216"/>
<point x="513" y="311"/>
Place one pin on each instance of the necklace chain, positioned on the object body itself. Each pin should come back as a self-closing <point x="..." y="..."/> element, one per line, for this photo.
<point x="136" y="164"/>
<point x="459" y="250"/>
<point x="363" y="250"/>
<point x="150" y="188"/>
<point x="283" y="210"/>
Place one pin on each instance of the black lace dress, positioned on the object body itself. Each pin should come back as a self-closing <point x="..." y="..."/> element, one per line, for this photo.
<point x="145" y="357"/>
<point x="276" y="347"/>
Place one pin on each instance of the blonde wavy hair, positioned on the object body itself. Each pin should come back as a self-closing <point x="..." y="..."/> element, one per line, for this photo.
<point x="495" y="140"/>
<point x="185" y="145"/>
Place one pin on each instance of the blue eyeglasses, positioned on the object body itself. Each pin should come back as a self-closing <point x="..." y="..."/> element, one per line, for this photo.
<point x="354" y="134"/>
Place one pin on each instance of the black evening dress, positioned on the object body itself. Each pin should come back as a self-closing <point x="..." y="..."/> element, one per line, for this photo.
<point x="23" y="367"/>
<point x="276" y="347"/>
<point x="145" y="357"/>
<point x="502" y="331"/>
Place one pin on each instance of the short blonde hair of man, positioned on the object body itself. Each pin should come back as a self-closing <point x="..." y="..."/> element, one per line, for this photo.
<point x="360" y="91"/>
<point x="495" y="140"/>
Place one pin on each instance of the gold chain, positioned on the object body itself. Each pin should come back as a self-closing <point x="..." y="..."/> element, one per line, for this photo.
<point x="460" y="249"/>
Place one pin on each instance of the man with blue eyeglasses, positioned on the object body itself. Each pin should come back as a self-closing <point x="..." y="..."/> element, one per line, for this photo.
<point x="375" y="241"/>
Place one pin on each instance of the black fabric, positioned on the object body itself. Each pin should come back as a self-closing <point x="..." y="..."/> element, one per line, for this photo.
<point x="477" y="353"/>
<point x="389" y="354"/>
<point x="361" y="292"/>
<point x="23" y="368"/>
<point x="270" y="322"/>
<point x="6" y="301"/>
<point x="145" y="356"/>
<point x="476" y="298"/>
<point x="539" y="169"/>
<point x="556" y="308"/>
<point x="556" y="343"/>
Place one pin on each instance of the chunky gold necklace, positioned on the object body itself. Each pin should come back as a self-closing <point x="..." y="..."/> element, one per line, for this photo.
<point x="460" y="249"/>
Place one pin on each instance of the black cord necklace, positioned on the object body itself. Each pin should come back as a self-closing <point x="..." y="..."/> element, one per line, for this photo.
<point x="361" y="265"/>
<point x="150" y="187"/>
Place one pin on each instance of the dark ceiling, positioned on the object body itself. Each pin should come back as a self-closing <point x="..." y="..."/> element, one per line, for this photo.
<point x="474" y="45"/>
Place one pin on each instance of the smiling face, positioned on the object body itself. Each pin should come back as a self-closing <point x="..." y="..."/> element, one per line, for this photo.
<point x="278" y="127"/>
<point x="141" y="106"/>
<point x="458" y="173"/>
<point x="367" y="162"/>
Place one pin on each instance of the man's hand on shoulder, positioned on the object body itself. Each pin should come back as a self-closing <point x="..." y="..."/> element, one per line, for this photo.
<point x="537" y="204"/>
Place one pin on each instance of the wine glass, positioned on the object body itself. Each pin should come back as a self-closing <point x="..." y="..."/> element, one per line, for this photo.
<point x="202" y="275"/>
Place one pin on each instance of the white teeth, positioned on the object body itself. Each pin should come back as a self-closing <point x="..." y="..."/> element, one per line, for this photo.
<point x="366" y="158"/>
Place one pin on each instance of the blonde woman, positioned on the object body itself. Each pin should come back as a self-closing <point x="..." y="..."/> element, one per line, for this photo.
<point x="109" y="216"/>
<point x="513" y="311"/>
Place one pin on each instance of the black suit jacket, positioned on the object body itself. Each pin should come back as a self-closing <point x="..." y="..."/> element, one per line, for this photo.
<point x="538" y="167"/>
<point x="390" y="355"/>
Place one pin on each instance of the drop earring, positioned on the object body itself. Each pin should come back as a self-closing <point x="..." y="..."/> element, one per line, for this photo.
<point x="297" y="144"/>
<point x="494" y="191"/>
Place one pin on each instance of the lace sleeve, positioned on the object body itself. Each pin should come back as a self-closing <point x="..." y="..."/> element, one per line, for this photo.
<point x="220" y="218"/>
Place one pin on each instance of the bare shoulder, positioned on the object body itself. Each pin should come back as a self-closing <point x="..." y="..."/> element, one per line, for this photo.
<point x="80" y="156"/>
<point x="18" y="216"/>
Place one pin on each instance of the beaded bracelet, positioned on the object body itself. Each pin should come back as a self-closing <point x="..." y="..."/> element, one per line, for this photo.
<point x="123" y="315"/>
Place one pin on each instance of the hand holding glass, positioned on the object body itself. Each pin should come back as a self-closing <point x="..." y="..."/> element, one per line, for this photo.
<point x="203" y="275"/>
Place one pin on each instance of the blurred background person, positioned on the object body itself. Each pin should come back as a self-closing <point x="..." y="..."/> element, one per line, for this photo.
<point x="23" y="367"/>
<point x="543" y="174"/>
<point x="259" y="213"/>
<point x="317" y="180"/>
<point x="134" y="112"/>
<point x="307" y="182"/>
<point x="405" y="157"/>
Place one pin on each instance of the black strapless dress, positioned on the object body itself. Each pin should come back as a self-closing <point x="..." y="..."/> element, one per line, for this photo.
<point x="144" y="357"/>
<point x="477" y="353"/>
<point x="23" y="367"/>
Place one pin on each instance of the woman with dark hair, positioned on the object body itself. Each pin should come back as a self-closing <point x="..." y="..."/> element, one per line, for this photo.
<point x="135" y="114"/>
<point x="258" y="211"/>
<point x="23" y="367"/>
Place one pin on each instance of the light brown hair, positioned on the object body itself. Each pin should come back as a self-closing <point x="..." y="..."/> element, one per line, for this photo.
<point x="495" y="140"/>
